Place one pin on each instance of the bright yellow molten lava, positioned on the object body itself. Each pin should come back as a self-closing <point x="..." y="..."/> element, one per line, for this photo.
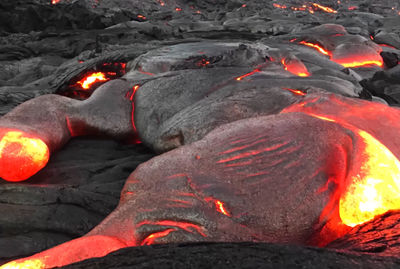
<point x="28" y="264"/>
<point x="21" y="156"/>
<point x="88" y="81"/>
<point x="375" y="189"/>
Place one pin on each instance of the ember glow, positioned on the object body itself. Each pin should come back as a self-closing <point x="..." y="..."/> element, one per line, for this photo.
<point x="90" y="79"/>
<point x="28" y="264"/>
<point x="21" y="156"/>
<point x="55" y="1"/>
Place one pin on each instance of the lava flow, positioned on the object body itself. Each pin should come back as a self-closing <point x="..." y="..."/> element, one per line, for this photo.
<point x="28" y="264"/>
<point x="372" y="186"/>
<point x="21" y="156"/>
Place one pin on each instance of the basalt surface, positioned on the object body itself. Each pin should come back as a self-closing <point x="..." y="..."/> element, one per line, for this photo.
<point x="193" y="82"/>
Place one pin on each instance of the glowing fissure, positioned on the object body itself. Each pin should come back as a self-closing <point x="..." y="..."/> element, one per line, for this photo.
<point x="252" y="153"/>
<point x="316" y="46"/>
<point x="186" y="226"/>
<point x="149" y="240"/>
<point x="375" y="187"/>
<point x="130" y="95"/>
<point x="248" y="74"/>
<point x="21" y="156"/>
<point x="297" y="92"/>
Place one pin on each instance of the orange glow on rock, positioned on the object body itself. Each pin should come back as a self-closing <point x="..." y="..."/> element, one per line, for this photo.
<point x="21" y="156"/>
<point x="316" y="46"/>
<point x="27" y="264"/>
<point x="55" y="2"/>
<point x="295" y="67"/>
<point x="89" y="80"/>
<point x="375" y="189"/>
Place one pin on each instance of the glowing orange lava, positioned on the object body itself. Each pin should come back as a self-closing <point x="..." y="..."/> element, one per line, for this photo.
<point x="374" y="180"/>
<point x="360" y="63"/>
<point x="21" y="156"/>
<point x="316" y="46"/>
<point x="89" y="80"/>
<point x="221" y="208"/>
<point x="324" y="8"/>
<point x="55" y="1"/>
<point x="28" y="264"/>
<point x="295" y="67"/>
<point x="375" y="189"/>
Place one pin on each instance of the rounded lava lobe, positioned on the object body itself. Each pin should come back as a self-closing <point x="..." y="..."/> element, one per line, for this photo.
<point x="21" y="155"/>
<point x="268" y="179"/>
<point x="356" y="55"/>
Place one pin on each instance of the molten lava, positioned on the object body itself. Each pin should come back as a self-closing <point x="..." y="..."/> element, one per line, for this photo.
<point x="295" y="67"/>
<point x="373" y="186"/>
<point x="375" y="189"/>
<point x="55" y="1"/>
<point x="92" y="78"/>
<point x="359" y="63"/>
<point x="21" y="156"/>
<point x="324" y="8"/>
<point x="28" y="264"/>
